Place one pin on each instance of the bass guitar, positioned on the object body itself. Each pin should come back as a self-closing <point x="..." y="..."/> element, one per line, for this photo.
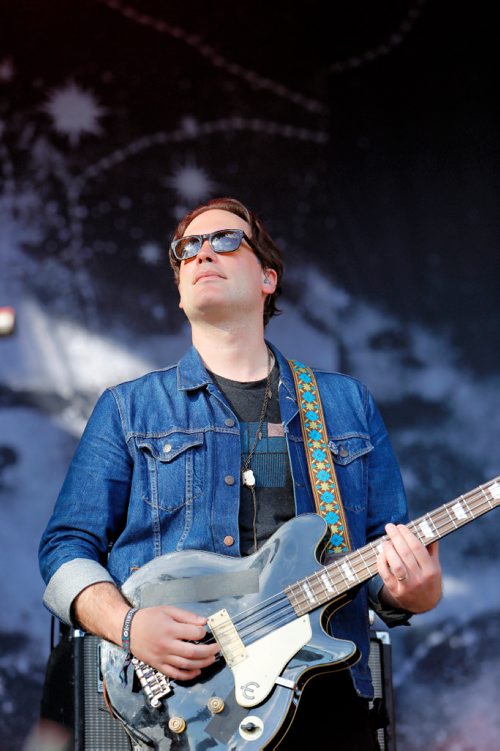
<point x="266" y="613"/>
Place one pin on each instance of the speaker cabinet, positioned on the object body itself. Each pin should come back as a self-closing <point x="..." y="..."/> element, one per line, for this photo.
<point x="95" y="728"/>
<point x="380" y="662"/>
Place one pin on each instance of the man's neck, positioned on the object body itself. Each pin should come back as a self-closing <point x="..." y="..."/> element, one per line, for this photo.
<point x="240" y="355"/>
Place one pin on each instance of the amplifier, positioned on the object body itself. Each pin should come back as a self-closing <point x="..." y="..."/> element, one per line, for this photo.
<point x="380" y="662"/>
<point x="95" y="728"/>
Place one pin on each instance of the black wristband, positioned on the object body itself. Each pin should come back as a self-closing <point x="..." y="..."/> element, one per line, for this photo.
<point x="126" y="629"/>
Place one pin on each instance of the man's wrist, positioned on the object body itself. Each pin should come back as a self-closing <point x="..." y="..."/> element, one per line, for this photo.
<point x="127" y="625"/>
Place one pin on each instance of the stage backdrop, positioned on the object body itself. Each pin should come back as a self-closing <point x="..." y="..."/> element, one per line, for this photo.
<point x="363" y="133"/>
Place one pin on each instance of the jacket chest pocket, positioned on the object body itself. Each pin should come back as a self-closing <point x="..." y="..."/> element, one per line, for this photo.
<point x="350" y="455"/>
<point x="174" y="469"/>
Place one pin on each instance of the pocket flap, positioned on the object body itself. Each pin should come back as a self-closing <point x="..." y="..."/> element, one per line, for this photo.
<point x="347" y="448"/>
<point x="168" y="447"/>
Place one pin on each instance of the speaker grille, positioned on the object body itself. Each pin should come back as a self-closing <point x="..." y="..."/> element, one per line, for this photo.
<point x="381" y="669"/>
<point x="102" y="732"/>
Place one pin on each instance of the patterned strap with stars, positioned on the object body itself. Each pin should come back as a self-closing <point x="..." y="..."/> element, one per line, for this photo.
<point x="319" y="460"/>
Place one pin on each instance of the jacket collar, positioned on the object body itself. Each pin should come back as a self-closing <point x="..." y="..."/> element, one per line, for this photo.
<point x="192" y="375"/>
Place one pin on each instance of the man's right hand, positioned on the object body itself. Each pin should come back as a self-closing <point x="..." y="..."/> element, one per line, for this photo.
<point x="165" y="637"/>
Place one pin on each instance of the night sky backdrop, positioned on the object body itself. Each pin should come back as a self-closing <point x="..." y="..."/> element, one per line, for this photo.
<point x="366" y="137"/>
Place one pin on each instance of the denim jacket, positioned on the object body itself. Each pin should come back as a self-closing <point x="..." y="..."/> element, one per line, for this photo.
<point x="157" y="470"/>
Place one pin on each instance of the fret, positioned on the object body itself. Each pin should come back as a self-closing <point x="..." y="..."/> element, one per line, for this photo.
<point x="427" y="528"/>
<point x="291" y="593"/>
<point x="360" y="554"/>
<point x="464" y="500"/>
<point x="430" y="518"/>
<point x="327" y="582"/>
<point x="488" y="501"/>
<point x="348" y="572"/>
<point x="318" y="587"/>
<point x="458" y="510"/>
<point x="340" y="581"/>
<point x="446" y="508"/>
<point x="309" y="593"/>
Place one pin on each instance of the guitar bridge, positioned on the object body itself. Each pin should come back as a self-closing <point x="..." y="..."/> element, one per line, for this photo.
<point x="154" y="684"/>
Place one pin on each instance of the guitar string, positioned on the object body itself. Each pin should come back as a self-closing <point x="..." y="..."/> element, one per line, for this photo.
<point x="441" y="520"/>
<point x="267" y="616"/>
<point x="247" y="630"/>
<point x="447" y="523"/>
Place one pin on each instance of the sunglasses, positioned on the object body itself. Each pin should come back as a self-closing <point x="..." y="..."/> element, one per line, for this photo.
<point x="221" y="241"/>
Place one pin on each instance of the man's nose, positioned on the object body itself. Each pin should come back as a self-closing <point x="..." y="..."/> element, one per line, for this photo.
<point x="206" y="253"/>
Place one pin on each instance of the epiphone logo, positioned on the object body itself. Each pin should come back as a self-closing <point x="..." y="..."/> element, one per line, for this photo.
<point x="248" y="689"/>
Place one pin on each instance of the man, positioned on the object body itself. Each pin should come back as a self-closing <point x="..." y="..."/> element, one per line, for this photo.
<point x="208" y="455"/>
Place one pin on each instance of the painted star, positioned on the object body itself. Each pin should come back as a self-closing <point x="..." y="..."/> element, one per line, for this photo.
<point x="74" y="112"/>
<point x="151" y="253"/>
<point x="191" y="183"/>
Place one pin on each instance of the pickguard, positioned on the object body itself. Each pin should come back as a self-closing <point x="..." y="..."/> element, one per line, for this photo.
<point x="265" y="660"/>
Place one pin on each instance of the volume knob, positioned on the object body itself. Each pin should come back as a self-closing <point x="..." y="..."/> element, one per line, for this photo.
<point x="215" y="704"/>
<point x="177" y="724"/>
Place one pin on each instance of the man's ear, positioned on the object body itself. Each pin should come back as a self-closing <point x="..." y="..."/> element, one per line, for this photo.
<point x="269" y="281"/>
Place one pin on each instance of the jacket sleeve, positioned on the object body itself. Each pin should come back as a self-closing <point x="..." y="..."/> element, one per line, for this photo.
<point x="90" y="511"/>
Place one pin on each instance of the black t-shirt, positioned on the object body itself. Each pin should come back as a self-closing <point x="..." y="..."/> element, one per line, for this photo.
<point x="269" y="463"/>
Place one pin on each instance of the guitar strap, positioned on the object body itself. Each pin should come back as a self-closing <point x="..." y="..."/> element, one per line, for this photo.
<point x="320" y="462"/>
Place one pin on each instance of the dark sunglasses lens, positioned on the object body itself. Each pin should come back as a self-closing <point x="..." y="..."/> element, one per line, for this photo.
<point x="187" y="247"/>
<point x="226" y="240"/>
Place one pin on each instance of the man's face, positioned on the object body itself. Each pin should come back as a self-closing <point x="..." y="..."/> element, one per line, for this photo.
<point x="220" y="286"/>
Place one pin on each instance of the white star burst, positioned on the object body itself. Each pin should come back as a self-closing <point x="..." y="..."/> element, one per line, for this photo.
<point x="191" y="183"/>
<point x="74" y="112"/>
<point x="151" y="253"/>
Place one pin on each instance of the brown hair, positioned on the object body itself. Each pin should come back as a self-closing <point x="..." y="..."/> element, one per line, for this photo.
<point x="265" y="249"/>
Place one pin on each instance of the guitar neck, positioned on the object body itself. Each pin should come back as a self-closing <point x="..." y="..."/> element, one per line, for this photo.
<point x="339" y="577"/>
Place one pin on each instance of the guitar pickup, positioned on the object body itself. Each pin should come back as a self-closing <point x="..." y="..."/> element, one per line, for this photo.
<point x="227" y="636"/>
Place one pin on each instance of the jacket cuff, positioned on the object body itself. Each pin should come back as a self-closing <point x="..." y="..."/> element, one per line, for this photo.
<point x="68" y="581"/>
<point x="390" y="616"/>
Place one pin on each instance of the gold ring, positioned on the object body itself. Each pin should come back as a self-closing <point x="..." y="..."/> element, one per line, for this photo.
<point x="402" y="578"/>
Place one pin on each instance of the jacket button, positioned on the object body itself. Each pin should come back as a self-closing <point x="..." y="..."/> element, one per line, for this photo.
<point x="229" y="480"/>
<point x="228" y="540"/>
<point x="229" y="422"/>
<point x="343" y="452"/>
<point x="167" y="448"/>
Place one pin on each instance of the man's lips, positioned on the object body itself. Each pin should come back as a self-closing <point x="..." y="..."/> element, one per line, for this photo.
<point x="208" y="275"/>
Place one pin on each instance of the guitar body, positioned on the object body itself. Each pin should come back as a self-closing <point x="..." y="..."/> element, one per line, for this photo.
<point x="290" y="652"/>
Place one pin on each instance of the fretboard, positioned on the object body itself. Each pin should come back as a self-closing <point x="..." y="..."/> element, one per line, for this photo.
<point x="339" y="577"/>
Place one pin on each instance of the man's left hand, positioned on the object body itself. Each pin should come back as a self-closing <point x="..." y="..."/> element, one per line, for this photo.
<point x="411" y="572"/>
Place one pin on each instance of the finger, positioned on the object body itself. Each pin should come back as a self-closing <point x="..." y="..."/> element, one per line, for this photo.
<point x="177" y="674"/>
<point x="383" y="568"/>
<point x="184" y="616"/>
<point x="188" y="663"/>
<point x="394" y="567"/>
<point x="185" y="631"/>
<point x="188" y="650"/>
<point x="407" y="546"/>
<point x="426" y="557"/>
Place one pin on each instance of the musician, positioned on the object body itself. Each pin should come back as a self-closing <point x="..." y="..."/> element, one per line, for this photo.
<point x="207" y="454"/>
